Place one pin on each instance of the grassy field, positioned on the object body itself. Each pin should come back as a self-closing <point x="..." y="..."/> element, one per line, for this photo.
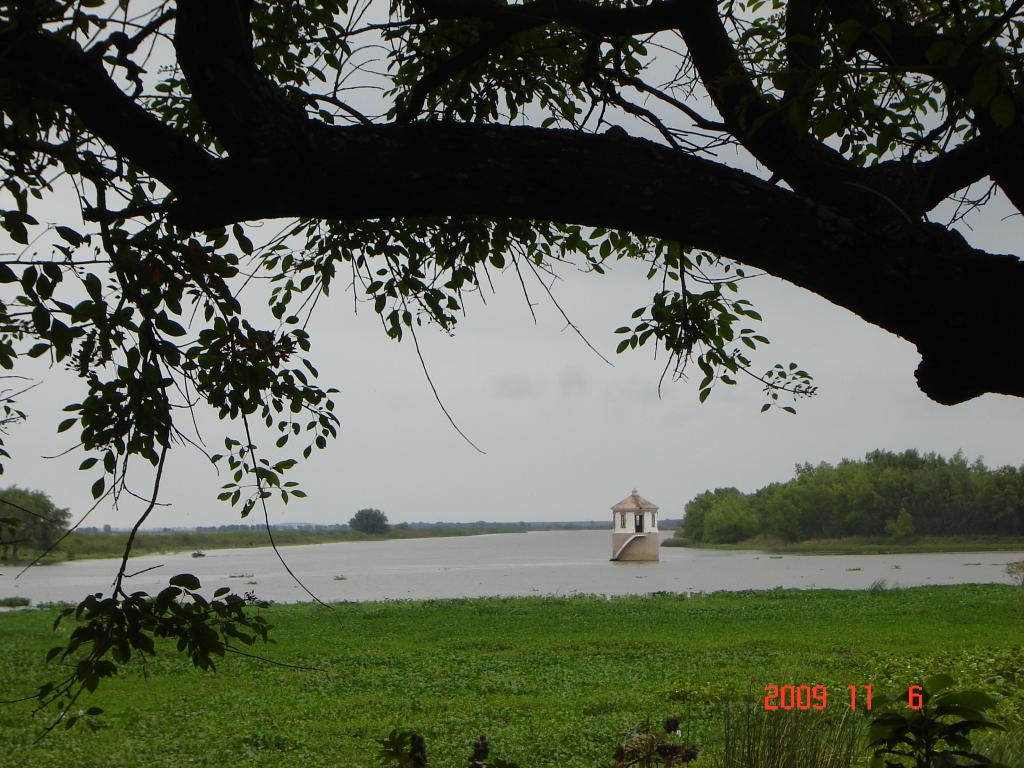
<point x="867" y="546"/>
<point x="551" y="681"/>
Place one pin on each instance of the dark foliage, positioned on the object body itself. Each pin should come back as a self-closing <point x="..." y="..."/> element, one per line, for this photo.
<point x="931" y="726"/>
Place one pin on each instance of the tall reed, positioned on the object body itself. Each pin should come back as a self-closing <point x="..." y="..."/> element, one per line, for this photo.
<point x="1002" y="747"/>
<point x="756" y="738"/>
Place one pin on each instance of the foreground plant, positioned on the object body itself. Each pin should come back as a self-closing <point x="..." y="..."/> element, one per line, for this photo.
<point x="403" y="749"/>
<point x="647" y="747"/>
<point x="408" y="749"/>
<point x="937" y="731"/>
<point x="481" y="756"/>
<point x="758" y="738"/>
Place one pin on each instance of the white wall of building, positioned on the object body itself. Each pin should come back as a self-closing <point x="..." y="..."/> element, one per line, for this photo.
<point x="650" y="522"/>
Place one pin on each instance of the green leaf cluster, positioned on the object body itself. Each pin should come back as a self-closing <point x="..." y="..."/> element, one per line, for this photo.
<point x="938" y="733"/>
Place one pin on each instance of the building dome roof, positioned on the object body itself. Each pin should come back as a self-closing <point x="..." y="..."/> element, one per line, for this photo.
<point x="635" y="503"/>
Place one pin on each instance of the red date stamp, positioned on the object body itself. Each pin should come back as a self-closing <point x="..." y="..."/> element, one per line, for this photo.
<point x="789" y="697"/>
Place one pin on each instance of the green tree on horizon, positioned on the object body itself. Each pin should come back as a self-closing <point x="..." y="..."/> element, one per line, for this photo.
<point x="370" y="520"/>
<point x="885" y="494"/>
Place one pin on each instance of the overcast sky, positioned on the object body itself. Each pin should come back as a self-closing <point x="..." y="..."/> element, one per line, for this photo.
<point x="566" y="436"/>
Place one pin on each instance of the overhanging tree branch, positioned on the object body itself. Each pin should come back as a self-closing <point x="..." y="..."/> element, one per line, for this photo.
<point x="920" y="186"/>
<point x="917" y="48"/>
<point x="605" y="20"/>
<point x="913" y="279"/>
<point x="808" y="165"/>
<point x="35" y="63"/>
<point x="247" y="113"/>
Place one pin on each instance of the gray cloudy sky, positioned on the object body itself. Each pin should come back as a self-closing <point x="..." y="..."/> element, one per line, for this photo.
<point x="566" y="436"/>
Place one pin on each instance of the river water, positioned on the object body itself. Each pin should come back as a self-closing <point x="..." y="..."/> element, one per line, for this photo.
<point x="536" y="563"/>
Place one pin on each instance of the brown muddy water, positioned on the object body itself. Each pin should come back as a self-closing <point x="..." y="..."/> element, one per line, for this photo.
<point x="536" y="563"/>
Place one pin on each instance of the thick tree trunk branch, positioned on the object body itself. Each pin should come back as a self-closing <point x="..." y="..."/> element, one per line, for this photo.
<point x="246" y="112"/>
<point x="908" y="47"/>
<point x="806" y="164"/>
<point x="604" y="20"/>
<point x="919" y="281"/>
<point x="921" y="186"/>
<point x="35" y="64"/>
<point x="803" y="51"/>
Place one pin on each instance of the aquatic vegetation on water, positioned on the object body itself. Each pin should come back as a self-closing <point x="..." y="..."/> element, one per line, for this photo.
<point x="551" y="681"/>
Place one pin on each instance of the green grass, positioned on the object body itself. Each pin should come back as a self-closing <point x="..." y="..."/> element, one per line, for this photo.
<point x="867" y="546"/>
<point x="551" y="681"/>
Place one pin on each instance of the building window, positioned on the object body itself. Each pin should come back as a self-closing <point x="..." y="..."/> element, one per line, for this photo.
<point x="622" y="519"/>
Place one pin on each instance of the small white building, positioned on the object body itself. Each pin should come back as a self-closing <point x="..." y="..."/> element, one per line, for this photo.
<point x="635" y="529"/>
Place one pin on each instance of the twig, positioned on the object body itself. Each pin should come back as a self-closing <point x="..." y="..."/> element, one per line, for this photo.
<point x="266" y="515"/>
<point x="144" y="570"/>
<point x="232" y="649"/>
<point x="565" y="316"/>
<point x="430" y="381"/>
<point x="67" y="533"/>
<point x="140" y="521"/>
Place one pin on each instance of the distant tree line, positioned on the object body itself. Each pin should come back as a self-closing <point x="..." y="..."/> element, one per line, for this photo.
<point x="28" y="520"/>
<point x="898" y="495"/>
<point x="31" y="523"/>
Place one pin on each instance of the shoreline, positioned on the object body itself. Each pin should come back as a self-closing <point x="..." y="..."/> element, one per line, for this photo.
<point x="855" y="546"/>
<point x="768" y="593"/>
